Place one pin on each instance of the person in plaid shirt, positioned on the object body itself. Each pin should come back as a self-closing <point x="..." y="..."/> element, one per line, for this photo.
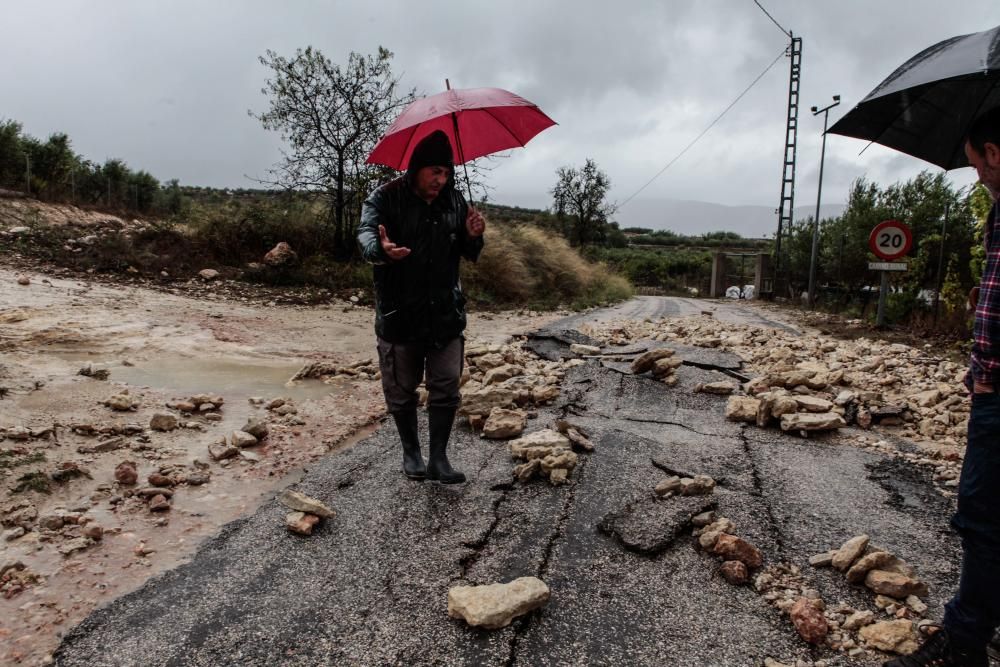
<point x="973" y="615"/>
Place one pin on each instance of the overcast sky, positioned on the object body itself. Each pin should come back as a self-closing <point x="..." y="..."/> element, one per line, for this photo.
<point x="167" y="85"/>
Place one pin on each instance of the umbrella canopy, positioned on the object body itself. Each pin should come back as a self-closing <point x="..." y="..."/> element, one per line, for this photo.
<point x="488" y="120"/>
<point x="926" y="106"/>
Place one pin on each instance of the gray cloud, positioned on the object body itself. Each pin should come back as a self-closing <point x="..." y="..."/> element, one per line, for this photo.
<point x="167" y="86"/>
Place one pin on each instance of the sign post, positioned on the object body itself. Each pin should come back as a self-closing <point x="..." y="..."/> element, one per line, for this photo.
<point x="890" y="240"/>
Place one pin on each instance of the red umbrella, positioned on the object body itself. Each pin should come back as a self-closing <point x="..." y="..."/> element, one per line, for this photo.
<point x="478" y="122"/>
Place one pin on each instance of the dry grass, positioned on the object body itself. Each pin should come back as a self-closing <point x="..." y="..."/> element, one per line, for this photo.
<point x="527" y="266"/>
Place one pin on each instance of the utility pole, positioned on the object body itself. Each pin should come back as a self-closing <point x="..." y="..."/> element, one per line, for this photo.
<point x="819" y="193"/>
<point x="27" y="174"/>
<point x="787" y="202"/>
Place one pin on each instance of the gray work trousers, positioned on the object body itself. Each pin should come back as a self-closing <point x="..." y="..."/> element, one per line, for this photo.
<point x="403" y="365"/>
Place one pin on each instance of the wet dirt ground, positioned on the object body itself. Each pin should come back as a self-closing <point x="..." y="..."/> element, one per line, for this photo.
<point x="160" y="347"/>
<point x="370" y="586"/>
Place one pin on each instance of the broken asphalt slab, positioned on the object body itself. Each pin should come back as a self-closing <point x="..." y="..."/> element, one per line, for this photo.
<point x="370" y="586"/>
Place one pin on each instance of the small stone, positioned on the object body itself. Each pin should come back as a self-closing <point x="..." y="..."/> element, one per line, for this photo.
<point x="221" y="450"/>
<point x="301" y="523"/>
<point x="159" y="503"/>
<point x="849" y="552"/>
<point x="496" y="605"/>
<point x="892" y="636"/>
<point x="734" y="572"/>
<point x="208" y="274"/>
<point x="286" y="409"/>
<point x="873" y="561"/>
<point x="93" y="531"/>
<point x="894" y="585"/>
<point x="719" y="388"/>
<point x="163" y="421"/>
<point x="809" y="621"/>
<point x="125" y="473"/>
<point x="577" y="348"/>
<point x="645" y="361"/>
<point x="300" y="502"/>
<point x="731" y="547"/>
<point x="824" y="559"/>
<point x="859" y="619"/>
<point x="242" y="439"/>
<point x="742" y="409"/>
<point x="668" y="485"/>
<point x="914" y="603"/>
<point x="157" y="479"/>
<point x="255" y="427"/>
<point x="13" y="533"/>
<point x="74" y="545"/>
<point x="23" y="280"/>
<point x="703" y="519"/>
<point x="503" y="423"/>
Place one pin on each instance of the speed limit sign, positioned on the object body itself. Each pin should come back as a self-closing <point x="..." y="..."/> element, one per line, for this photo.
<point x="891" y="240"/>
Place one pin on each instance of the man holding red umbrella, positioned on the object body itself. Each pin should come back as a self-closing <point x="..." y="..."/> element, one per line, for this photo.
<point x="415" y="230"/>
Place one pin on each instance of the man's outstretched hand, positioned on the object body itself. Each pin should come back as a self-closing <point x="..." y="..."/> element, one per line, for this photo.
<point x="390" y="248"/>
<point x="475" y="223"/>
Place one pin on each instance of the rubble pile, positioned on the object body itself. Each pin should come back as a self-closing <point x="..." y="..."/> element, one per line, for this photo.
<point x="885" y="574"/>
<point x="507" y="377"/>
<point x="547" y="453"/>
<point x="913" y="391"/>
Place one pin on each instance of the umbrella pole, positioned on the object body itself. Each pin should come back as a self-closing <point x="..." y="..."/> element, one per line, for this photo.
<point x="461" y="154"/>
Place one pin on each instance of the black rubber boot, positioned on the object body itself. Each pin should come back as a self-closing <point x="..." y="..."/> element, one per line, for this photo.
<point x="413" y="462"/>
<point x="438" y="467"/>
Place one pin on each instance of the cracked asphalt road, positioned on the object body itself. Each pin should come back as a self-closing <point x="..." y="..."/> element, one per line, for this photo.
<point x="370" y="586"/>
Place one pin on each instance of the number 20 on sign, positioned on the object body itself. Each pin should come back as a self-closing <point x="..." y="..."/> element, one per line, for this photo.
<point x="890" y="240"/>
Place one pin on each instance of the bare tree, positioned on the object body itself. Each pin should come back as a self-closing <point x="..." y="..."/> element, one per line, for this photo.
<point x="331" y="118"/>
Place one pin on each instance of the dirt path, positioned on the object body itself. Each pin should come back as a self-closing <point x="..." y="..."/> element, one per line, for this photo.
<point x="160" y="347"/>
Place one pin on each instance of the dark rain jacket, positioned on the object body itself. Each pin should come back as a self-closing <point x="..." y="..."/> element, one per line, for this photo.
<point x="418" y="298"/>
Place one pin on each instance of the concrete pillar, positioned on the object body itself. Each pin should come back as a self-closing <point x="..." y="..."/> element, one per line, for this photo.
<point x="718" y="286"/>
<point x="762" y="278"/>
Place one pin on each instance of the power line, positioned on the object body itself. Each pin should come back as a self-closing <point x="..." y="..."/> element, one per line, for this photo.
<point x="705" y="131"/>
<point x="756" y="2"/>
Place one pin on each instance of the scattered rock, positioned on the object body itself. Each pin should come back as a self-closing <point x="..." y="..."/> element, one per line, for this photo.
<point x="650" y="525"/>
<point x="301" y="523"/>
<point x="503" y="423"/>
<point x="809" y="621"/>
<point x="824" y="559"/>
<point x="208" y="274"/>
<point x="735" y="572"/>
<point x="242" y="439"/>
<point x="496" y="605"/>
<point x="644" y="362"/>
<point x="74" y="545"/>
<point x="578" y="348"/>
<point x="894" y="585"/>
<point x="858" y="620"/>
<point x="255" y="427"/>
<point x="898" y="636"/>
<point x="824" y="421"/>
<point x="280" y="255"/>
<point x="23" y="280"/>
<point x="159" y="503"/>
<point x="731" y="547"/>
<point x="720" y="388"/>
<point x="163" y="421"/>
<point x="873" y="561"/>
<point x="302" y="503"/>
<point x="742" y="409"/>
<point x="158" y="479"/>
<point x="222" y="450"/>
<point x="849" y="552"/>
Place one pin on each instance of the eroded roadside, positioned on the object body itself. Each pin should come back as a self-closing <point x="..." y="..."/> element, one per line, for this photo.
<point x="82" y="536"/>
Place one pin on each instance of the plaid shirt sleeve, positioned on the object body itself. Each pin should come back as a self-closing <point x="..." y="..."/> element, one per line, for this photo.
<point x="985" y="366"/>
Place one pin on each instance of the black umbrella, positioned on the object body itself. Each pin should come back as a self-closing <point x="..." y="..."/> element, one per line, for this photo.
<point x="925" y="107"/>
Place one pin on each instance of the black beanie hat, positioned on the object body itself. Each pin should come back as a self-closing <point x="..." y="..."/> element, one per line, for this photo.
<point x="434" y="150"/>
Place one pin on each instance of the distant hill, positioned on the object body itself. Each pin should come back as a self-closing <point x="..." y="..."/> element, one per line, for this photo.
<point x="693" y="218"/>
